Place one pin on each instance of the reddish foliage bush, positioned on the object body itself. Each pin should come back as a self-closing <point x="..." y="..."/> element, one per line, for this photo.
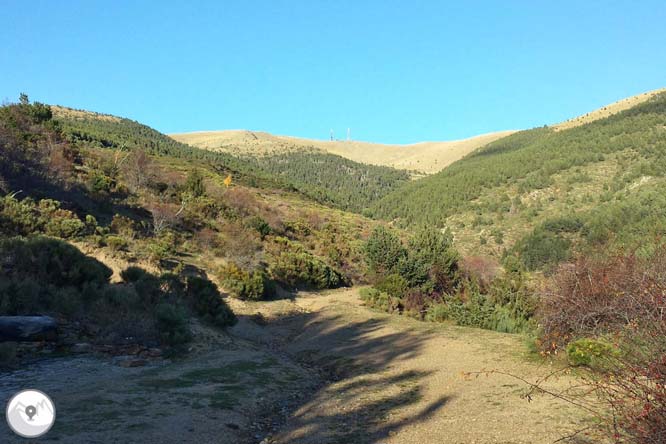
<point x="481" y="269"/>
<point x="592" y="297"/>
<point x="622" y="298"/>
<point x="242" y="201"/>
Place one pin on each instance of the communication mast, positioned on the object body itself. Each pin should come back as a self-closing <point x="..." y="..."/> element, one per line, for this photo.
<point x="348" y="134"/>
<point x="331" y="134"/>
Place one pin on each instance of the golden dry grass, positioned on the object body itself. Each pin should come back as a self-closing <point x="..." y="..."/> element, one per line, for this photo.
<point x="426" y="157"/>
<point x="607" y="110"/>
<point x="63" y="112"/>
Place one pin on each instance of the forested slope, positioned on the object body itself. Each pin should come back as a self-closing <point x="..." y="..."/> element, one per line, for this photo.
<point x="594" y="174"/>
<point x="327" y="178"/>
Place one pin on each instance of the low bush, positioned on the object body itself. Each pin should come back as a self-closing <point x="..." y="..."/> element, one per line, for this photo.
<point x="394" y="285"/>
<point x="303" y="270"/>
<point x="590" y="352"/>
<point x="116" y="243"/>
<point x="47" y="276"/>
<point x="207" y="303"/>
<point x="438" y="312"/>
<point x="380" y="300"/>
<point x="172" y="324"/>
<point x="25" y="217"/>
<point x="542" y="248"/>
<point x="242" y="284"/>
<point x="260" y="225"/>
<point x="123" y="226"/>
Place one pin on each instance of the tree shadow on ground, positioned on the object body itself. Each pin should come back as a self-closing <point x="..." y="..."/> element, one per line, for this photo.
<point x="362" y="396"/>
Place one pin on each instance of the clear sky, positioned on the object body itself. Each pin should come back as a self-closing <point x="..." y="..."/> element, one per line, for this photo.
<point x="392" y="71"/>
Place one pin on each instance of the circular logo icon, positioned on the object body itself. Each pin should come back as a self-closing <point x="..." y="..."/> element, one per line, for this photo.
<point x="30" y="413"/>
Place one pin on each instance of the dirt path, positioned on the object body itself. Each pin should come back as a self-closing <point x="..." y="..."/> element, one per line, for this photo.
<point x="316" y="369"/>
<point x="396" y="380"/>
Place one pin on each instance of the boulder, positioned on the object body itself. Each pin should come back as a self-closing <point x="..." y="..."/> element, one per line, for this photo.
<point x="28" y="328"/>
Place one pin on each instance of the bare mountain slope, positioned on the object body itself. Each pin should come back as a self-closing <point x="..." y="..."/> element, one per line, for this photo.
<point x="607" y="110"/>
<point x="427" y="157"/>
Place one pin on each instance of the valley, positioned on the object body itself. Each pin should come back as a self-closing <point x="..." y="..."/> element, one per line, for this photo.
<point x="317" y="368"/>
<point x="275" y="292"/>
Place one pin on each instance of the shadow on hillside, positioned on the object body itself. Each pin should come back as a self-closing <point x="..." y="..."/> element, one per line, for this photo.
<point x="357" y="401"/>
<point x="74" y="197"/>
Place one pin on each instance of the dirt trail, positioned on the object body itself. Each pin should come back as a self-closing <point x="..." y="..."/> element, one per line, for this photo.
<point x="316" y="369"/>
<point x="396" y="380"/>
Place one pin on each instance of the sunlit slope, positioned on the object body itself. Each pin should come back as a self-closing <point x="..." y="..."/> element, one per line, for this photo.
<point x="600" y="180"/>
<point x="427" y="157"/>
<point x="607" y="110"/>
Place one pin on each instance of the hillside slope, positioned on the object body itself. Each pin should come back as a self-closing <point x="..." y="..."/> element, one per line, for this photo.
<point x="608" y="110"/>
<point x="425" y="157"/>
<point x="324" y="177"/>
<point x="597" y="182"/>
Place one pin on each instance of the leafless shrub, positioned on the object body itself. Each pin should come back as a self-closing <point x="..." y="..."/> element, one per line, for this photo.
<point x="165" y="215"/>
<point x="137" y="168"/>
<point x="240" y="245"/>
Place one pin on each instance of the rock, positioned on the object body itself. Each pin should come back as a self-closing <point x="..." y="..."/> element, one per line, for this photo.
<point x="127" y="363"/>
<point x="152" y="353"/>
<point x="133" y="349"/>
<point x="28" y="328"/>
<point x="82" y="347"/>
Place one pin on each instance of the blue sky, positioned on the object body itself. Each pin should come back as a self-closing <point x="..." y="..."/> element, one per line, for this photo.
<point x="393" y="72"/>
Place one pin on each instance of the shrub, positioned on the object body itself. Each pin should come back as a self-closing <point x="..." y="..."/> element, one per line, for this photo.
<point x="90" y="224"/>
<point x="394" y="285"/>
<point x="564" y="224"/>
<point x="384" y="251"/>
<point x="515" y="302"/>
<point x="415" y="303"/>
<point x="438" y="312"/>
<point x="542" y="248"/>
<point x="172" y="324"/>
<point x="476" y="311"/>
<point x="51" y="262"/>
<point x="590" y="352"/>
<point x="302" y="270"/>
<point x="241" y="201"/>
<point x="242" y="284"/>
<point x="595" y="296"/>
<point x="498" y="235"/>
<point x="480" y="269"/>
<point x="260" y="225"/>
<point x="133" y="274"/>
<point x="116" y="243"/>
<point x="380" y="300"/>
<point x="240" y="245"/>
<point x="100" y="183"/>
<point x="123" y="226"/>
<point x="19" y="217"/>
<point x="194" y="185"/>
<point x="206" y="301"/>
<point x="43" y="275"/>
<point x="162" y="246"/>
<point x="64" y="224"/>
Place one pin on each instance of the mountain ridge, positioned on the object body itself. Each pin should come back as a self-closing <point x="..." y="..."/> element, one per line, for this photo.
<point x="425" y="157"/>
